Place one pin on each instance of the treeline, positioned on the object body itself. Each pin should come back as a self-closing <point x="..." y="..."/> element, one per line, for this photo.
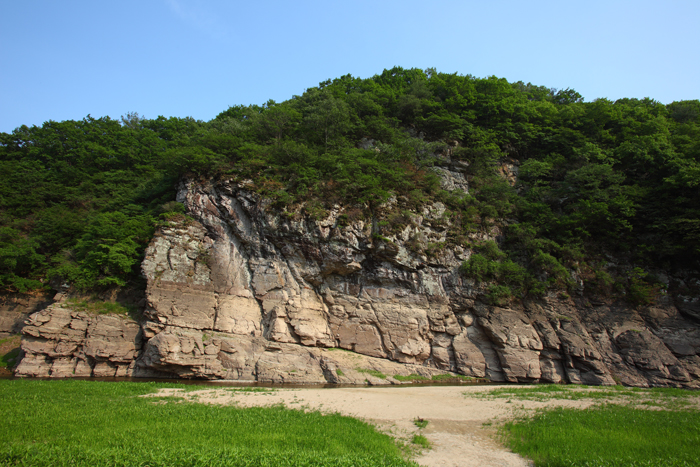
<point x="79" y="199"/>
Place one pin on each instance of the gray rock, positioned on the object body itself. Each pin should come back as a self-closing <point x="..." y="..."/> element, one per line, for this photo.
<point x="241" y="291"/>
<point x="451" y="181"/>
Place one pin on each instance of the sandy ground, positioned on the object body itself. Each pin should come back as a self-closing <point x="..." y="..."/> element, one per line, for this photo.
<point x="461" y="425"/>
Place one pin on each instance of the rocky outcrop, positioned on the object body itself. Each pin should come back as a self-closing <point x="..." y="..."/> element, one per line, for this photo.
<point x="240" y="290"/>
<point x="60" y="342"/>
<point x="16" y="308"/>
<point x="187" y="353"/>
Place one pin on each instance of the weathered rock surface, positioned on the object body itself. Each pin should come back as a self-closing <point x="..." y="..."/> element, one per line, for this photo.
<point x="16" y="308"/>
<point x="60" y="342"/>
<point x="242" y="291"/>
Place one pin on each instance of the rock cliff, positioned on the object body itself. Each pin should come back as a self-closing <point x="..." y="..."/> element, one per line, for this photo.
<point x="241" y="290"/>
<point x="16" y="308"/>
<point x="60" y="342"/>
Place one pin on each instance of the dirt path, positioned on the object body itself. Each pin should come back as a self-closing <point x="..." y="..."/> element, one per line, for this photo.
<point x="456" y="416"/>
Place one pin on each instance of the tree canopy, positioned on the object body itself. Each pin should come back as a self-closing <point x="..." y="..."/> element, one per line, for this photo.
<point x="79" y="199"/>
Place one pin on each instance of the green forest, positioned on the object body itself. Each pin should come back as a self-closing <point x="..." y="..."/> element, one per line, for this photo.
<point x="80" y="200"/>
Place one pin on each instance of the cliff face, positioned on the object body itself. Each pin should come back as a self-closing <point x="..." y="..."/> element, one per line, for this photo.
<point x="16" y="308"/>
<point x="59" y="342"/>
<point x="246" y="292"/>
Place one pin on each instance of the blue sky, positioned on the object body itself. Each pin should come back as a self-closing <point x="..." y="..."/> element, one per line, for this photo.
<point x="65" y="60"/>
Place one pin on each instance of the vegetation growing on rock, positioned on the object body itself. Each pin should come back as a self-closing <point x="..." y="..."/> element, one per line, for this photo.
<point x="565" y="182"/>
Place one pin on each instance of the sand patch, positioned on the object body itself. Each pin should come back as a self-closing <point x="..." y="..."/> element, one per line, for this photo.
<point x="461" y="425"/>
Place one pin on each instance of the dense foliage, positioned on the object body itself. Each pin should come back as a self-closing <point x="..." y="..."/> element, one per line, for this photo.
<point x="79" y="199"/>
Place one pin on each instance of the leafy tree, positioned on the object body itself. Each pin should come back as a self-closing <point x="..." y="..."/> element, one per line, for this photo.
<point x="79" y="198"/>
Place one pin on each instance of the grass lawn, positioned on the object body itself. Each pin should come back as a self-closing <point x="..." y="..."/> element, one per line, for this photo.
<point x="91" y="423"/>
<point x="628" y="427"/>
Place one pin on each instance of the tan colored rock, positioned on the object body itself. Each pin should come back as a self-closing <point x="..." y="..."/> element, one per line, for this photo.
<point x="183" y="307"/>
<point x="61" y="343"/>
<point x="35" y="365"/>
<point x="113" y="339"/>
<point x="238" y="315"/>
<point x="648" y="353"/>
<point x="469" y="359"/>
<point x="15" y="308"/>
<point x="361" y="338"/>
<point x="517" y="343"/>
<point x="246" y="293"/>
<point x="181" y="352"/>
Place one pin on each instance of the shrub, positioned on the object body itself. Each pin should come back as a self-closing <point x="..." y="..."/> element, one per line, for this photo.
<point x="478" y="267"/>
<point x="174" y="207"/>
<point x="491" y="250"/>
<point x="434" y="249"/>
<point x="558" y="274"/>
<point x="640" y="290"/>
<point x="101" y="308"/>
<point x="411" y="377"/>
<point x="499" y="295"/>
<point x="512" y="274"/>
<point x="420" y="422"/>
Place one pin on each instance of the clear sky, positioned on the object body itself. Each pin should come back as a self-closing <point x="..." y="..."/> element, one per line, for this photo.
<point x="63" y="60"/>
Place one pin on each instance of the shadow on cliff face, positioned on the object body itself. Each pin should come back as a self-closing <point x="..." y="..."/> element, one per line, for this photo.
<point x="241" y="292"/>
<point x="16" y="307"/>
<point x="9" y="354"/>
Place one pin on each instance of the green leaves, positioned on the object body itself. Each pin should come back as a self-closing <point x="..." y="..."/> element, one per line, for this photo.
<point x="18" y="260"/>
<point x="326" y="118"/>
<point x="490" y="264"/>
<point x="109" y="250"/>
<point x="589" y="177"/>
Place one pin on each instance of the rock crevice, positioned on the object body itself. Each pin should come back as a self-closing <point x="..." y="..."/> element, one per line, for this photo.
<point x="242" y="291"/>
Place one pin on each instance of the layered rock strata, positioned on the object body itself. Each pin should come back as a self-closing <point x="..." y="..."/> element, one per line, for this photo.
<point x="60" y="342"/>
<point x="16" y="308"/>
<point x="242" y="291"/>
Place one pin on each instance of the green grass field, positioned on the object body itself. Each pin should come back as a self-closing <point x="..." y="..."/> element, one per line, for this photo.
<point x="627" y="427"/>
<point x="90" y="423"/>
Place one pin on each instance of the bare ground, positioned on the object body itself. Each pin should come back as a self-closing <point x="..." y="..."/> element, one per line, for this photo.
<point x="461" y="425"/>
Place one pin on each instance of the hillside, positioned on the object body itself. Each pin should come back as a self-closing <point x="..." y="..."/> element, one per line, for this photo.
<point x="420" y="217"/>
<point x="79" y="199"/>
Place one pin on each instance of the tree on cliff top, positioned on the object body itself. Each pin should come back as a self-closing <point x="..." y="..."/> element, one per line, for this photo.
<point x="79" y="198"/>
